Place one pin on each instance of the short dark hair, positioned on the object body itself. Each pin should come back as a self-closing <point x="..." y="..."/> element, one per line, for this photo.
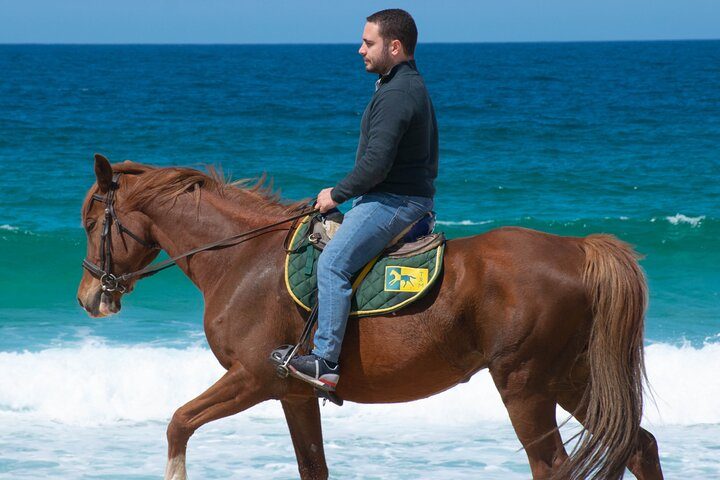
<point x="396" y="24"/>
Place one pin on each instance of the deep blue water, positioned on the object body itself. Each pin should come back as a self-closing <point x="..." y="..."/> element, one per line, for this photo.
<point x="568" y="138"/>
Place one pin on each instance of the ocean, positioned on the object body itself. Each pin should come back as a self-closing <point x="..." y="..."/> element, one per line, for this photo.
<point x="567" y="138"/>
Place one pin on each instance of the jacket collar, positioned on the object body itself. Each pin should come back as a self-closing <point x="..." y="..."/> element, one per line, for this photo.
<point x="402" y="67"/>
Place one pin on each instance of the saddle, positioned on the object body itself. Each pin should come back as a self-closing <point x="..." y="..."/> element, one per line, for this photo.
<point x="404" y="272"/>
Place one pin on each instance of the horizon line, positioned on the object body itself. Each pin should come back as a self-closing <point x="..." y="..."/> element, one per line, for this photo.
<point x="495" y="42"/>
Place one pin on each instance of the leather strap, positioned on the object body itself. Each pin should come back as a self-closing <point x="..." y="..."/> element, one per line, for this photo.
<point x="111" y="282"/>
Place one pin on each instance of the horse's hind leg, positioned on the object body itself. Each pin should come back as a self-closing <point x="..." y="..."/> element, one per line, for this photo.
<point x="303" y="419"/>
<point x="237" y="390"/>
<point x="645" y="462"/>
<point x="532" y="413"/>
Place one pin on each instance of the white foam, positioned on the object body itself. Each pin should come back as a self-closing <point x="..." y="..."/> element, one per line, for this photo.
<point x="463" y="222"/>
<point x="685" y="385"/>
<point x="99" y="384"/>
<point x="96" y="384"/>
<point x="680" y="218"/>
<point x="9" y="228"/>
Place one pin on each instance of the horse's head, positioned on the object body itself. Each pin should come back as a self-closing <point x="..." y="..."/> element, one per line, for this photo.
<point x="119" y="241"/>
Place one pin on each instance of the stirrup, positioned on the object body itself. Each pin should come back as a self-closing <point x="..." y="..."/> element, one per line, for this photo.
<point x="281" y="357"/>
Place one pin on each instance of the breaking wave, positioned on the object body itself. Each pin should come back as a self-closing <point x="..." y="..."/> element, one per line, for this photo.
<point x="98" y="384"/>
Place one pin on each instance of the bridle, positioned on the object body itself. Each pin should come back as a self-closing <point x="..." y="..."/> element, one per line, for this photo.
<point x="103" y="272"/>
<point x="118" y="283"/>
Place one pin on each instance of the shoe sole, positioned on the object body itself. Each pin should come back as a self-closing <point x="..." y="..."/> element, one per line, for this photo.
<point x="311" y="380"/>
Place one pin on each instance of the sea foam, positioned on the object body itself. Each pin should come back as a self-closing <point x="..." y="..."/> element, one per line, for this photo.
<point x="9" y="228"/>
<point x="463" y="222"/>
<point x="99" y="384"/>
<point x="680" y="218"/>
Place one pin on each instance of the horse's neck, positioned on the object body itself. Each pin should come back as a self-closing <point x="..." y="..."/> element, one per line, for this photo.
<point x="188" y="225"/>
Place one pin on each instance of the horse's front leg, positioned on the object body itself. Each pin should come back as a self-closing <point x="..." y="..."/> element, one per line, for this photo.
<point x="236" y="391"/>
<point x="303" y="419"/>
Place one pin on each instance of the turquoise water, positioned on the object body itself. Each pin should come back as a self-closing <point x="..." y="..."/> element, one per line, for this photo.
<point x="572" y="139"/>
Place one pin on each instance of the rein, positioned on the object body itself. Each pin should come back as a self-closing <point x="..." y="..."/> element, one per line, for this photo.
<point x="113" y="283"/>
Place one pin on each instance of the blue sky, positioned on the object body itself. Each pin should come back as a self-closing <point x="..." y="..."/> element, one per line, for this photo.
<point x="338" y="21"/>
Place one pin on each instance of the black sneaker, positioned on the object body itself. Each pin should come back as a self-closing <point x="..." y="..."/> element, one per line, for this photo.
<point x="317" y="371"/>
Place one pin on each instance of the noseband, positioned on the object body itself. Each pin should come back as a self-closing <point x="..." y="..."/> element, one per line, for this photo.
<point x="103" y="272"/>
<point x="118" y="283"/>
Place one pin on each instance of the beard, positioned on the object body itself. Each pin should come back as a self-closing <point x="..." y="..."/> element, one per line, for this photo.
<point x="382" y="64"/>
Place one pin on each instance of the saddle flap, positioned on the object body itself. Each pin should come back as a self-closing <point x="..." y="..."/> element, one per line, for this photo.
<point x="386" y="284"/>
<point x="417" y="246"/>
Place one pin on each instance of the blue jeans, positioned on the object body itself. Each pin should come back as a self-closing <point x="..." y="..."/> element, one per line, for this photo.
<point x="372" y="222"/>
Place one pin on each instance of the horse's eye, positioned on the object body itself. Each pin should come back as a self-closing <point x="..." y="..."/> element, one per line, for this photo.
<point x="90" y="225"/>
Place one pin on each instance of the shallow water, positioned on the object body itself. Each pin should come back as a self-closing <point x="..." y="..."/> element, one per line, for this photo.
<point x="96" y="411"/>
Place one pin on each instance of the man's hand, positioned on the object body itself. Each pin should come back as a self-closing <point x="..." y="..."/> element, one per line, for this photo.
<point x="325" y="201"/>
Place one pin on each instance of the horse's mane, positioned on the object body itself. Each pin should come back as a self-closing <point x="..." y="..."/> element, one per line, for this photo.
<point x="165" y="184"/>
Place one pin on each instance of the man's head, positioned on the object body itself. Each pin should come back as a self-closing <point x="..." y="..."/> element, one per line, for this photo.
<point x="389" y="38"/>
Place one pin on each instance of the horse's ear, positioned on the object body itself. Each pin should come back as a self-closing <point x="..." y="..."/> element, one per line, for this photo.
<point x="103" y="172"/>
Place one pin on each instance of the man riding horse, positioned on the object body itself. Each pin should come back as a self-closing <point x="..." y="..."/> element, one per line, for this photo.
<point x="557" y="321"/>
<point x="395" y="166"/>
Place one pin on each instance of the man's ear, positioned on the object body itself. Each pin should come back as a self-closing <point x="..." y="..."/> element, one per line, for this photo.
<point x="396" y="47"/>
<point x="103" y="173"/>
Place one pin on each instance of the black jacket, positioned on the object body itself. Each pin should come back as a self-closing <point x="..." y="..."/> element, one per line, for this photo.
<point x="398" y="148"/>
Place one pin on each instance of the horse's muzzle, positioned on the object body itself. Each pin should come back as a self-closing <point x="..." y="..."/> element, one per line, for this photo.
<point x="100" y="304"/>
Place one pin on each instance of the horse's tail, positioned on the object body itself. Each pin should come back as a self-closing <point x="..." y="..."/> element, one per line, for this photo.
<point x="613" y="399"/>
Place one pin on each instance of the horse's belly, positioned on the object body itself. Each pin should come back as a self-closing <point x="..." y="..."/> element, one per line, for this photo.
<point x="399" y="364"/>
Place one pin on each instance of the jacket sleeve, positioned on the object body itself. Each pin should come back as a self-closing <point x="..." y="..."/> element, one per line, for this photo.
<point x="389" y="119"/>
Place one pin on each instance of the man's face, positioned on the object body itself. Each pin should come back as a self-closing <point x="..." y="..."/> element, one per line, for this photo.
<point x="374" y="50"/>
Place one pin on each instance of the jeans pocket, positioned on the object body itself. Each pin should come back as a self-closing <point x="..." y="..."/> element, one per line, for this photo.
<point x="408" y="212"/>
<point x="422" y="203"/>
<point x="395" y="218"/>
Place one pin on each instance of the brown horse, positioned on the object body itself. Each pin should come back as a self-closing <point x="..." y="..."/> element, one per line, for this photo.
<point x="557" y="320"/>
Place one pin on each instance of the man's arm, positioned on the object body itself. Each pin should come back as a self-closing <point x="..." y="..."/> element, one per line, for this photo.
<point x="388" y="122"/>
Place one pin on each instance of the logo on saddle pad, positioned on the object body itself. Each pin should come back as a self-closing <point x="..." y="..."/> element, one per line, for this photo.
<point x="405" y="279"/>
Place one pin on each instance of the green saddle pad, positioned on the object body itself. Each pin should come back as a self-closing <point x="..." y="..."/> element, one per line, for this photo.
<point x="385" y="284"/>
